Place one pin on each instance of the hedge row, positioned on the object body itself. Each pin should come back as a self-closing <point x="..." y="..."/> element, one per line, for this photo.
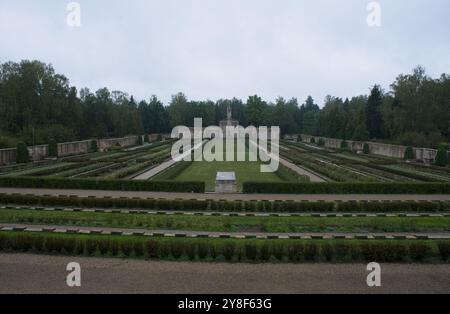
<point x="230" y="250"/>
<point x="346" y="188"/>
<point x="102" y="184"/>
<point x="230" y="206"/>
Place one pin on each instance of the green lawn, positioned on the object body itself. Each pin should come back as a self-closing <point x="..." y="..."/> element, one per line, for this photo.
<point x="245" y="171"/>
<point x="230" y="223"/>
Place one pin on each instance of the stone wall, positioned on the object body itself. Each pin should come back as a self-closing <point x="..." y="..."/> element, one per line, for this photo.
<point x="39" y="152"/>
<point x="426" y="155"/>
<point x="105" y="144"/>
<point x="7" y="156"/>
<point x="73" y="148"/>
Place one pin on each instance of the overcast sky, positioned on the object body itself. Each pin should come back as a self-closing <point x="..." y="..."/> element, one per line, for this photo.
<point x="211" y="49"/>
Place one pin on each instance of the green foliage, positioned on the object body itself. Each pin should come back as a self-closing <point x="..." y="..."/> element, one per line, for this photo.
<point x="299" y="139"/>
<point x="366" y="149"/>
<point x="321" y="142"/>
<point x="409" y="153"/>
<point x="346" y="188"/>
<point x="230" y="250"/>
<point x="94" y="147"/>
<point x="52" y="148"/>
<point x="374" y="120"/>
<point x="344" y="145"/>
<point x="313" y="140"/>
<point x="22" y="153"/>
<point x="146" y="138"/>
<point x="140" y="140"/>
<point x="441" y="157"/>
<point x="96" y="184"/>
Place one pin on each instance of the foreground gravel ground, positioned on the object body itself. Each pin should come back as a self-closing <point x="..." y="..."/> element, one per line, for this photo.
<point x="24" y="273"/>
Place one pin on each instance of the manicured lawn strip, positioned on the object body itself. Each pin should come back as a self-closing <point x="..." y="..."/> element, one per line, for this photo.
<point x="345" y="188"/>
<point x="227" y="206"/>
<point x="226" y="250"/>
<point x="228" y="223"/>
<point x="102" y="184"/>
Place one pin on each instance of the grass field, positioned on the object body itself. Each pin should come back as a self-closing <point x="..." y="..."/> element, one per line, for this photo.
<point x="245" y="171"/>
<point x="230" y="223"/>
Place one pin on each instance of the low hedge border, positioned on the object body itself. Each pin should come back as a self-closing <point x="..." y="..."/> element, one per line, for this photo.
<point x="345" y="188"/>
<point x="102" y="184"/>
<point x="229" y="250"/>
<point x="228" y="206"/>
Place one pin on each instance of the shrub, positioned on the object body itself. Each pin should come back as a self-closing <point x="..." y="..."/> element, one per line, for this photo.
<point x="321" y="142"/>
<point x="441" y="158"/>
<point x="313" y="140"/>
<point x="344" y="188"/>
<point x="140" y="140"/>
<point x="444" y="250"/>
<point x="104" y="184"/>
<point x="409" y="153"/>
<point x="53" y="148"/>
<point x="366" y="149"/>
<point x="344" y="145"/>
<point x="299" y="138"/>
<point x="146" y="138"/>
<point x="22" y="153"/>
<point x="94" y="146"/>
<point x="159" y="138"/>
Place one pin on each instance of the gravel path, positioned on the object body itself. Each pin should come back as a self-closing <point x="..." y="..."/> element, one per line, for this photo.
<point x="24" y="273"/>
<point x="211" y="234"/>
<point x="244" y="197"/>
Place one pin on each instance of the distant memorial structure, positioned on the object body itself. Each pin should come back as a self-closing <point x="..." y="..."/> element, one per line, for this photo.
<point x="226" y="182"/>
<point x="228" y="121"/>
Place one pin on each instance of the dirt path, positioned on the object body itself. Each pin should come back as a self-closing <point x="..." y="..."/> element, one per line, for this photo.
<point x="244" y="197"/>
<point x="212" y="234"/>
<point x="23" y="273"/>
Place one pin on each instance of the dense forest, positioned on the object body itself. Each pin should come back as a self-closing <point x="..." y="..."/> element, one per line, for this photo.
<point x="37" y="104"/>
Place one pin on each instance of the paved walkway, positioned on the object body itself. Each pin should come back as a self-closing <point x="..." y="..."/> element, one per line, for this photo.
<point x="165" y="165"/>
<point x="235" y="235"/>
<point x="299" y="170"/>
<point x="231" y="214"/>
<point x="27" y="273"/>
<point x="230" y="197"/>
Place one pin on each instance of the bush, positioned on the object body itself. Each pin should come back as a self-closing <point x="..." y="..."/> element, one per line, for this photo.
<point x="409" y="153"/>
<point x="146" y="138"/>
<point x="344" y="145"/>
<point x="104" y="184"/>
<point x="159" y="138"/>
<point x="366" y="149"/>
<point x="227" y="249"/>
<point x="52" y="148"/>
<point x="345" y="188"/>
<point x="441" y="158"/>
<point x="299" y="138"/>
<point x="313" y="140"/>
<point x="321" y="142"/>
<point x="140" y="140"/>
<point x="94" y="147"/>
<point x="22" y="153"/>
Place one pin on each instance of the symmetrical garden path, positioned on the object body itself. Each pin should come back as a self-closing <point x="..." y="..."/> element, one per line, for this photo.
<point x="165" y="165"/>
<point x="231" y="197"/>
<point x="299" y="170"/>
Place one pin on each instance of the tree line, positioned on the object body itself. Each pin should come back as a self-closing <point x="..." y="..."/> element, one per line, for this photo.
<point x="37" y="105"/>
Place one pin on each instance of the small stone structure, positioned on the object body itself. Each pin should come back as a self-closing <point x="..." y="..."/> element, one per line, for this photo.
<point x="226" y="182"/>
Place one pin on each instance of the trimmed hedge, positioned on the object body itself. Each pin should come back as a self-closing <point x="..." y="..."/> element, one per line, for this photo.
<point x="345" y="188"/>
<point x="102" y="184"/>
<point x="229" y="250"/>
<point x="229" y="206"/>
